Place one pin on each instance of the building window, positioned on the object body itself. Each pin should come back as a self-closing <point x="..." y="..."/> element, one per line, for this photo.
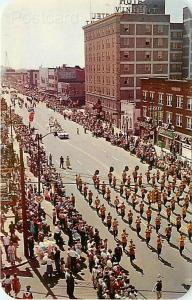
<point x="169" y="100"/>
<point x="126" y="68"/>
<point x="160" y="98"/>
<point x="179" y="101"/>
<point x="147" y="55"/>
<point x="126" y="28"/>
<point x="189" y="123"/>
<point x="147" y="29"/>
<point x="126" y="54"/>
<point x="189" y="104"/>
<point x="147" y="42"/>
<point x="160" y="68"/>
<point x="126" y="81"/>
<point x="151" y="95"/>
<point x="179" y="120"/>
<point x="147" y="68"/>
<point x="169" y="117"/>
<point x="160" y="29"/>
<point x="144" y="95"/>
<point x="160" y="55"/>
<point x="160" y="42"/>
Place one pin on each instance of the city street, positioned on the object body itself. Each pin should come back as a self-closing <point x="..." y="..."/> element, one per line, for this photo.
<point x="88" y="154"/>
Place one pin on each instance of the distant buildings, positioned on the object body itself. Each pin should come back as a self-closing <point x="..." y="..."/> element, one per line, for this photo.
<point x="66" y="82"/>
<point x="167" y="106"/>
<point x="122" y="48"/>
<point x="33" y="78"/>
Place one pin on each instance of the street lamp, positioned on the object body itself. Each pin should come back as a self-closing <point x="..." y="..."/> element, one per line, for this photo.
<point x="127" y="126"/>
<point x="38" y="138"/>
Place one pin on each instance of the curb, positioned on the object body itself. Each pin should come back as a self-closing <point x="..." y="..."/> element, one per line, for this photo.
<point x="19" y="265"/>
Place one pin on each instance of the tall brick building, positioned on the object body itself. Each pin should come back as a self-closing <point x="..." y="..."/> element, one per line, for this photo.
<point x="124" y="47"/>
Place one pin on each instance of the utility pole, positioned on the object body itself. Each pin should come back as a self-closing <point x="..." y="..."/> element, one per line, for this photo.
<point x="38" y="165"/>
<point x="23" y="203"/>
<point x="10" y="115"/>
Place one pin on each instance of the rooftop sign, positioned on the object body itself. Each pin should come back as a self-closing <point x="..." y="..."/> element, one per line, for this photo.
<point x="125" y="6"/>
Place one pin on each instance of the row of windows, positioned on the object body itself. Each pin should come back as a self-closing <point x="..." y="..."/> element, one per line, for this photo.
<point x="100" y="57"/>
<point x="169" y="118"/>
<point x="101" y="79"/>
<point x="159" y="42"/>
<point x="100" y="68"/>
<point x="100" y="32"/>
<point x="145" y="29"/>
<point x="168" y="100"/>
<point x="102" y="91"/>
<point x="98" y="45"/>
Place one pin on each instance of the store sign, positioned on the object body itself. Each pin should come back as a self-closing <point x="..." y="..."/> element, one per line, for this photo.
<point x="167" y="133"/>
<point x="128" y="6"/>
<point x="125" y="6"/>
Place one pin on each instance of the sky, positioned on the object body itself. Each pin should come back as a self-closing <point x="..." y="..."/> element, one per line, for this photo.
<point x="49" y="32"/>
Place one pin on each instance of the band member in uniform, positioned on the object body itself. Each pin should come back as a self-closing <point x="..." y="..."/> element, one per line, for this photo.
<point x="115" y="225"/>
<point x="168" y="210"/>
<point x="130" y="217"/>
<point x="108" y="197"/>
<point x="138" y="225"/>
<point x="148" y="232"/>
<point x="124" y="236"/>
<point x="85" y="188"/>
<point x="110" y="177"/>
<point x="90" y="197"/>
<point x="189" y="230"/>
<point x="181" y="243"/>
<point x="121" y="189"/>
<point x="132" y="251"/>
<point x="109" y="219"/>
<point x="159" y="245"/>
<point x="122" y="210"/>
<point x="116" y="203"/>
<point x="127" y="194"/>
<point x="102" y="212"/>
<point x="141" y="208"/>
<point x="168" y="231"/>
<point x="114" y="182"/>
<point x="97" y="204"/>
<point x="157" y="223"/>
<point x="103" y="189"/>
<point x="80" y="184"/>
<point x="178" y="222"/>
<point x="148" y="213"/>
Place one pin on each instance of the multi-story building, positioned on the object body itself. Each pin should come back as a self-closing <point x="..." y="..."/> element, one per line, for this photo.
<point x="48" y="80"/>
<point x="167" y="104"/>
<point x="15" y="78"/>
<point x="176" y="50"/>
<point x="119" y="50"/>
<point x="187" y="43"/>
<point x="72" y="91"/>
<point x="33" y="78"/>
<point x="71" y="84"/>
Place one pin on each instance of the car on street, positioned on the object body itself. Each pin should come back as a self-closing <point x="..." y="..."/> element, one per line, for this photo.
<point x="63" y="135"/>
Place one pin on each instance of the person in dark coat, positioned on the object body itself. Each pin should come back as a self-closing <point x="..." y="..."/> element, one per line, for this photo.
<point x="31" y="247"/>
<point x="70" y="285"/>
<point x="57" y="260"/>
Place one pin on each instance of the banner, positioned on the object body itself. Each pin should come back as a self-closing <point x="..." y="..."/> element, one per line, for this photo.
<point x="31" y="116"/>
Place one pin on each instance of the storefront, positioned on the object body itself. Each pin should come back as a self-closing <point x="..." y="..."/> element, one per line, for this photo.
<point x="165" y="138"/>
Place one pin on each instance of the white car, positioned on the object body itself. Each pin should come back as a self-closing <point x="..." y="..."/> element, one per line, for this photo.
<point x="63" y="135"/>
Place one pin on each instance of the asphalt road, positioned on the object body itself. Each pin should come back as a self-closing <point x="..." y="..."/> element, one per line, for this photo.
<point x="87" y="154"/>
